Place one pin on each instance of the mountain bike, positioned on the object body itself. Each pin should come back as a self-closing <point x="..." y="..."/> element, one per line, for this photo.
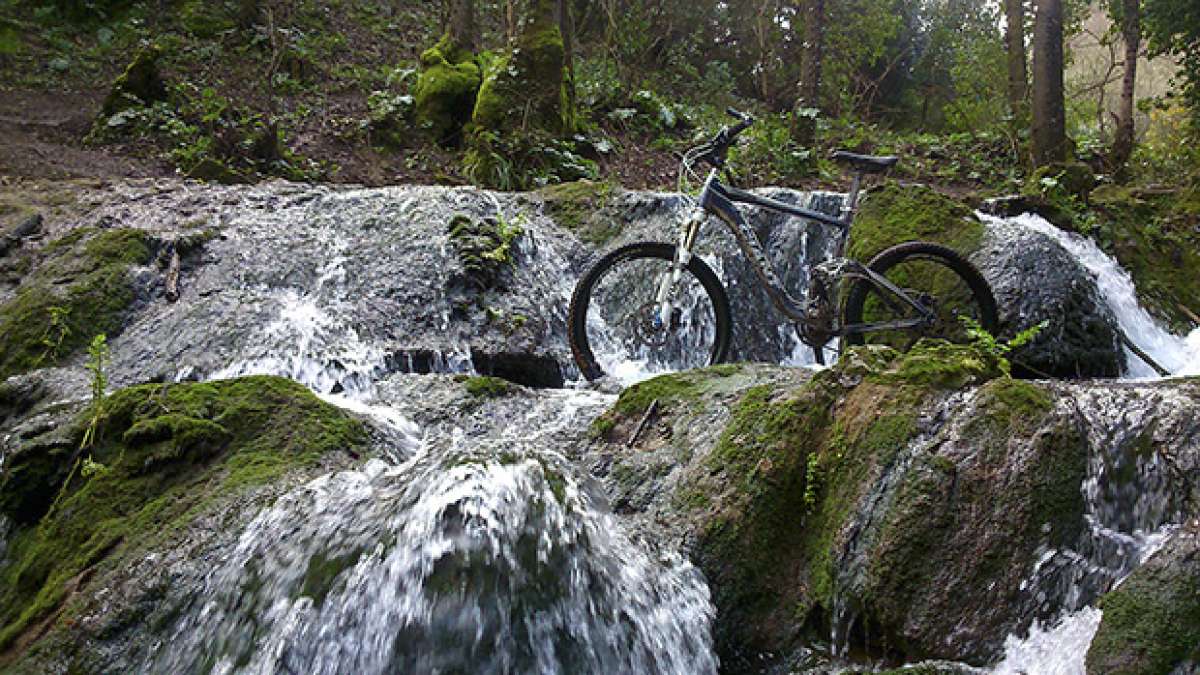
<point x="659" y="306"/>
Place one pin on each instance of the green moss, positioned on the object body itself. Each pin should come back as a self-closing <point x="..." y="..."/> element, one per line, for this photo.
<point x="578" y="207"/>
<point x="487" y="387"/>
<point x="444" y="97"/>
<point x="323" y="571"/>
<point x="943" y="365"/>
<point x="485" y="248"/>
<point x="1072" y="178"/>
<point x="1156" y="238"/>
<point x="526" y="87"/>
<point x="211" y="170"/>
<point x="1151" y="621"/>
<point x="1014" y="404"/>
<point x="894" y="214"/>
<point x="140" y="84"/>
<point x="80" y="289"/>
<point x="170" y="453"/>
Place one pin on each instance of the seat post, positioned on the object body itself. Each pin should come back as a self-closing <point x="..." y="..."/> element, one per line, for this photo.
<point x="852" y="200"/>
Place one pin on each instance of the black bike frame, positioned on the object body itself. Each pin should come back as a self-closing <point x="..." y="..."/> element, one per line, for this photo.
<point x="719" y="199"/>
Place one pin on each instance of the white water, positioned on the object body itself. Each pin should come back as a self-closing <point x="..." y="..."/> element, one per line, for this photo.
<point x="491" y="556"/>
<point x="465" y="554"/>
<point x="1179" y="355"/>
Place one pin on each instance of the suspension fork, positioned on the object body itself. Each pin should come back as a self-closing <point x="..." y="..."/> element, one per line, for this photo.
<point x="683" y="255"/>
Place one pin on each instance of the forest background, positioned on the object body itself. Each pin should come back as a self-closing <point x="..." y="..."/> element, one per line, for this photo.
<point x="520" y="94"/>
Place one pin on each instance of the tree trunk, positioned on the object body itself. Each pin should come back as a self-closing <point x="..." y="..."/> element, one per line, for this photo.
<point x="1049" y="113"/>
<point x="1131" y="33"/>
<point x="566" y="25"/>
<point x="1018" y="78"/>
<point x="460" y="25"/>
<point x="804" y="126"/>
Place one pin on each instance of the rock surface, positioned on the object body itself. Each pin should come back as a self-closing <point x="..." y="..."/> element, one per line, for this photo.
<point x="882" y="504"/>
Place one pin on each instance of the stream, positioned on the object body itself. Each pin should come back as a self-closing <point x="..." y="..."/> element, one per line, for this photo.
<point x="474" y="545"/>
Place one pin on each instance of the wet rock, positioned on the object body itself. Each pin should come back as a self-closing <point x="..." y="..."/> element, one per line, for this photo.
<point x="98" y="522"/>
<point x="1034" y="279"/>
<point x="1151" y="622"/>
<point x="911" y="509"/>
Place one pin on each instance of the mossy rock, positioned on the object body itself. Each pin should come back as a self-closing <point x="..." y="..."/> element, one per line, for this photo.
<point x="80" y="288"/>
<point x="139" y="85"/>
<point x="486" y="248"/>
<point x="163" y="455"/>
<point x="444" y="97"/>
<point x="1155" y="237"/>
<point x="1151" y="622"/>
<point x="844" y="488"/>
<point x="1072" y="178"/>
<point x="527" y="87"/>
<point x="941" y="365"/>
<point x="896" y="213"/>
<point x="486" y="386"/>
<point x="211" y="170"/>
<point x="578" y="206"/>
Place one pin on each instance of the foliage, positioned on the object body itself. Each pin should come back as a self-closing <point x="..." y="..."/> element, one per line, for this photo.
<point x="524" y="160"/>
<point x="985" y="341"/>
<point x="97" y="361"/>
<point x="1173" y="27"/>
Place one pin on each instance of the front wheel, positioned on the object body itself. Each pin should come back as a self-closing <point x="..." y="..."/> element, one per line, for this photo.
<point x="614" y="324"/>
<point x="952" y="293"/>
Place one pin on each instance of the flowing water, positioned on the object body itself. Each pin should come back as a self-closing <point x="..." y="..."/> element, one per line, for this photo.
<point x="1179" y="355"/>
<point x="477" y="548"/>
<point x="1130" y="511"/>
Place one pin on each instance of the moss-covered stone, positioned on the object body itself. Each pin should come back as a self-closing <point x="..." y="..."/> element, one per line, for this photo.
<point x="1155" y="235"/>
<point x="1072" y="178"/>
<point x="894" y="214"/>
<point x="578" y="206"/>
<point x="444" y="97"/>
<point x="485" y="248"/>
<point x="79" y="289"/>
<point x="211" y="170"/>
<point x="942" y="365"/>
<point x="164" y="454"/>
<point x="1151" y="621"/>
<point x="872" y="486"/>
<point x="526" y="88"/>
<point x="139" y="85"/>
<point x="486" y="386"/>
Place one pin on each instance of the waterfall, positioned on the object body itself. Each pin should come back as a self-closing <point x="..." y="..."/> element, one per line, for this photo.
<point x="1179" y="355"/>
<point x="467" y="552"/>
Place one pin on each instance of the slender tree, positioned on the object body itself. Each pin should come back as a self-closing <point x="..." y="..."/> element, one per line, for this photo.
<point x="1018" y="77"/>
<point x="1049" y="110"/>
<point x="1131" y="34"/>
<point x="460" y="24"/>
<point x="566" y="26"/>
<point x="811" y="57"/>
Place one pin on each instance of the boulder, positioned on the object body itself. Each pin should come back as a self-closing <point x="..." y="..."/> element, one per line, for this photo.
<point x="913" y="508"/>
<point x="1034" y="279"/>
<point x="1151" y="623"/>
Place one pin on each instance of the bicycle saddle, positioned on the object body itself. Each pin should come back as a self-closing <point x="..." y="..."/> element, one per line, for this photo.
<point x="865" y="163"/>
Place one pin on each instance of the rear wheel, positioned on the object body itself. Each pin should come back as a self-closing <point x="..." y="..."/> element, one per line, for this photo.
<point x="944" y="283"/>
<point x="614" y="324"/>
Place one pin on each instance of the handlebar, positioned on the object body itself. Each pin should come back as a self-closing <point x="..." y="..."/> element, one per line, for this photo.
<point x="719" y="145"/>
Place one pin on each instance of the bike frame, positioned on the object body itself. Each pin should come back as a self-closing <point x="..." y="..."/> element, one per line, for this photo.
<point x="719" y="200"/>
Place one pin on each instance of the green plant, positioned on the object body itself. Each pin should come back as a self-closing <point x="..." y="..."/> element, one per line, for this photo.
<point x="56" y="332"/>
<point x="982" y="339"/>
<point x="97" y="361"/>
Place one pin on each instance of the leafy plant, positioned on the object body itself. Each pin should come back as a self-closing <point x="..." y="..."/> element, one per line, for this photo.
<point x="97" y="362"/>
<point x="984" y="340"/>
<point x="56" y="332"/>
